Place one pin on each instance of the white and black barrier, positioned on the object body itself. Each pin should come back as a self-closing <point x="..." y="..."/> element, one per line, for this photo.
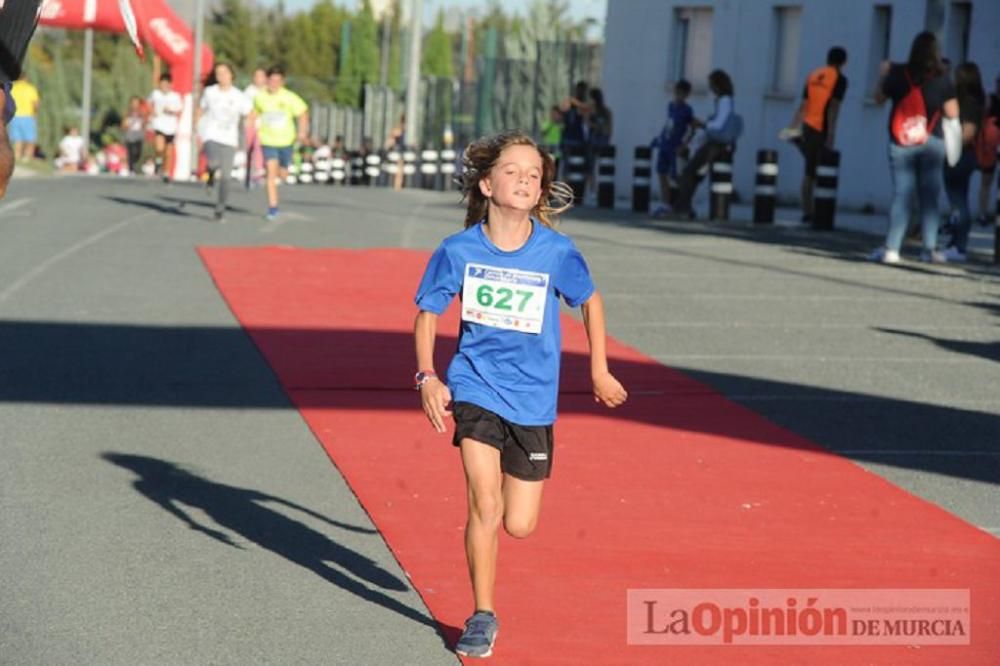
<point x="606" y="177"/>
<point x="825" y="192"/>
<point x="576" y="170"/>
<point x="765" y="191"/>
<point x="641" y="173"/>
<point x="721" y="186"/>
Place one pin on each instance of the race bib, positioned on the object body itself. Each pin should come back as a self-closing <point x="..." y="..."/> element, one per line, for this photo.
<point x="275" y="119"/>
<point x="504" y="298"/>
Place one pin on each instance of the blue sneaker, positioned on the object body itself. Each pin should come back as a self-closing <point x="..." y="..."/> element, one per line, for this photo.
<point x="272" y="214"/>
<point x="479" y="635"/>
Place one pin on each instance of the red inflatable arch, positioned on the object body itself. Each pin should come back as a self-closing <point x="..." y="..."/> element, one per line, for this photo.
<point x="158" y="26"/>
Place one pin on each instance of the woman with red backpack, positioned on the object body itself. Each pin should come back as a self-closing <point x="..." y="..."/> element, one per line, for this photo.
<point x="971" y="102"/>
<point x="922" y="132"/>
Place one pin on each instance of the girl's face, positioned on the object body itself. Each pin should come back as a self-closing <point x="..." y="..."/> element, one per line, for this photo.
<point x="516" y="179"/>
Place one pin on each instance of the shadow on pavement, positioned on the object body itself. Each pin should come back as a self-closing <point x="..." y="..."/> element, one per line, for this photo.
<point x="166" y="209"/>
<point x="245" y="513"/>
<point x="219" y="367"/>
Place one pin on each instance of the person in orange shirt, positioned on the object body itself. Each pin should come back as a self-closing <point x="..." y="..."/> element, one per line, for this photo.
<point x="817" y="116"/>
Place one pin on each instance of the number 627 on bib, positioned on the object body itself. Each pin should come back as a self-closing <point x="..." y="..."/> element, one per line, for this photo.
<point x="504" y="298"/>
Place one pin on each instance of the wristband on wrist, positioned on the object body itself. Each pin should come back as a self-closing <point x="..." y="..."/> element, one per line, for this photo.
<point x="422" y="378"/>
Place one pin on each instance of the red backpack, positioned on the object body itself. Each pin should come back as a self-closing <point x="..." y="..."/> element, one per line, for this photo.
<point x="910" y="126"/>
<point x="987" y="142"/>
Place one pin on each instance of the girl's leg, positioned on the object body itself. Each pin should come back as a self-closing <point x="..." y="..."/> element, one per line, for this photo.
<point x="485" y="495"/>
<point x="273" y="173"/>
<point x="904" y="183"/>
<point x="522" y="502"/>
<point x="930" y="167"/>
<point x="985" y="184"/>
<point x="956" y="183"/>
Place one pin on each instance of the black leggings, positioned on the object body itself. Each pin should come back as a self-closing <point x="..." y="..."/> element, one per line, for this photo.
<point x="134" y="149"/>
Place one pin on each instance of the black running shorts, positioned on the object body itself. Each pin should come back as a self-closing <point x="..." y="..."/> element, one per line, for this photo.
<point x="525" y="451"/>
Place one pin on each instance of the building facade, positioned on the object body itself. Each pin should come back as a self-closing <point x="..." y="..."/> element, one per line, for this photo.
<point x="768" y="47"/>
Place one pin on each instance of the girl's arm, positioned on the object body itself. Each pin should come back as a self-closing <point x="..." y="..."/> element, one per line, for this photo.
<point x="607" y="389"/>
<point x="434" y="394"/>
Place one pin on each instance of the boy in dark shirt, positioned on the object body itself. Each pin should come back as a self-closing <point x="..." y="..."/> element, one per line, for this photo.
<point x="673" y="137"/>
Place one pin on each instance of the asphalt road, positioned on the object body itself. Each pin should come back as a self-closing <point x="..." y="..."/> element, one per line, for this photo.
<point x="161" y="502"/>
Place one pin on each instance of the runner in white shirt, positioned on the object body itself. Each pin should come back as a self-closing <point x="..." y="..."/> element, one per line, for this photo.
<point x="167" y="107"/>
<point x="222" y="106"/>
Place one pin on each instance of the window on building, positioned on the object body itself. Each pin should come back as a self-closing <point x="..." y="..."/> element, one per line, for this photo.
<point x="785" y="51"/>
<point x="692" y="40"/>
<point x="878" y="49"/>
<point x="959" y="22"/>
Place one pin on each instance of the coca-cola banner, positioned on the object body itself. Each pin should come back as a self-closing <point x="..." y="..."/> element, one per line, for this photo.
<point x="158" y="26"/>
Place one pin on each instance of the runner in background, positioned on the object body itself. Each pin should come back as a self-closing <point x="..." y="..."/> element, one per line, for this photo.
<point x="219" y="114"/>
<point x="167" y="107"/>
<point x="255" y="156"/>
<point x="284" y="117"/>
<point x="134" y="129"/>
<point x="817" y="118"/>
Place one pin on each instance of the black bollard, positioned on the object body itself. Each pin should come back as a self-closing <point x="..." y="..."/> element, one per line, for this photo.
<point x="391" y="167"/>
<point x="338" y="171"/>
<point x="322" y="174"/>
<point x="606" y="177"/>
<point x="765" y="187"/>
<point x="825" y="192"/>
<point x="409" y="168"/>
<point x="576" y="166"/>
<point x="641" y="172"/>
<point x="429" y="169"/>
<point x="373" y="168"/>
<point x="721" y="183"/>
<point x="357" y="169"/>
<point x="447" y="169"/>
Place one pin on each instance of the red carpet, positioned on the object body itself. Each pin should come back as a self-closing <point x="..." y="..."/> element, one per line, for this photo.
<point x="680" y="488"/>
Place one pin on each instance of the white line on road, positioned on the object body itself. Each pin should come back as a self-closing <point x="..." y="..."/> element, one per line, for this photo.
<point x="40" y="269"/>
<point x="11" y="206"/>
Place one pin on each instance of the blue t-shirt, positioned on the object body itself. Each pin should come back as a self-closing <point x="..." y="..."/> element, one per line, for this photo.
<point x="679" y="116"/>
<point x="501" y="364"/>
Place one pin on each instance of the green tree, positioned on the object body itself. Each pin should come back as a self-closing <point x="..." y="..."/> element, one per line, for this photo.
<point x="232" y="35"/>
<point x="362" y="57"/>
<point x="438" y="51"/>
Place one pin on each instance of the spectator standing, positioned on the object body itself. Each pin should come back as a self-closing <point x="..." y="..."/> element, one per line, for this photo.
<point x="134" y="127"/>
<point x="255" y="156"/>
<point x="552" y="131"/>
<point x="971" y="106"/>
<point x="222" y="107"/>
<point x="600" y="124"/>
<point x="575" y="111"/>
<point x="721" y="131"/>
<point x="673" y="138"/>
<point x="166" y="106"/>
<point x="817" y="117"/>
<point x="923" y="101"/>
<point x="23" y="127"/>
<point x="278" y="109"/>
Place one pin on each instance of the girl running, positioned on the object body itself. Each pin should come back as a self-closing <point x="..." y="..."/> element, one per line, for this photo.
<point x="510" y="268"/>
